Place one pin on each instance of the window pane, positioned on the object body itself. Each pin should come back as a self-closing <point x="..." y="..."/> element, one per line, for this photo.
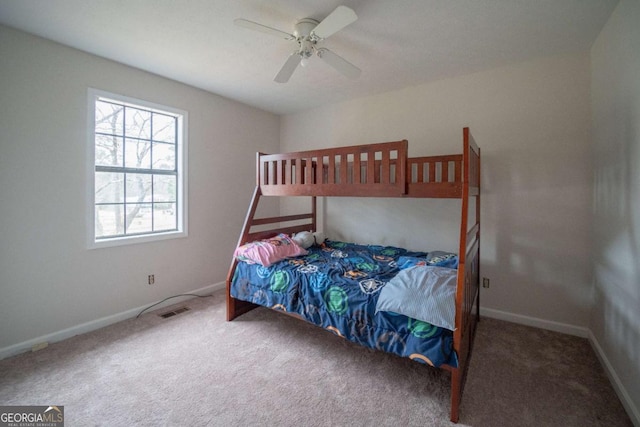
<point x="109" y="220"/>
<point x="109" y="187"/>
<point x="164" y="156"/>
<point x="139" y="218"/>
<point x="164" y="188"/>
<point x="109" y="118"/>
<point x="109" y="150"/>
<point x="138" y="188"/>
<point x="137" y="154"/>
<point x="138" y="123"/>
<point x="137" y="167"/>
<point x="164" y="216"/>
<point x="164" y="128"/>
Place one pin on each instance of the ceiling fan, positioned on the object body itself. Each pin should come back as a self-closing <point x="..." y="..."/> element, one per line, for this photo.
<point x="307" y="34"/>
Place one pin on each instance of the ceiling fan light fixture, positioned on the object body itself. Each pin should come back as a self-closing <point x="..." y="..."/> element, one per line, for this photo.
<point x="306" y="51"/>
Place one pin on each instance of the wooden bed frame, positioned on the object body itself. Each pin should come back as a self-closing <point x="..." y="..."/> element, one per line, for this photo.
<point x="384" y="171"/>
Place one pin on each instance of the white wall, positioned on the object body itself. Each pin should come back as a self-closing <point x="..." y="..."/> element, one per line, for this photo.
<point x="615" y="319"/>
<point x="49" y="280"/>
<point x="532" y="122"/>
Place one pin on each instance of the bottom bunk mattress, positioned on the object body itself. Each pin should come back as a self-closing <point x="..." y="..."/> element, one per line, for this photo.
<point x="336" y="286"/>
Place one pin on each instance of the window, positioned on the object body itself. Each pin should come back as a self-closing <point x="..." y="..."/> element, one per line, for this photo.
<point x="138" y="170"/>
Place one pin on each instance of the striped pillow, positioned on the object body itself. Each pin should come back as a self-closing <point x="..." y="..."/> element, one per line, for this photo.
<point x="424" y="293"/>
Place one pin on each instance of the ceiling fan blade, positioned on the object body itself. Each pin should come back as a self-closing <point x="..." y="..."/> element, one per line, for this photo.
<point x="337" y="20"/>
<point x="340" y="64"/>
<point x="263" y="28"/>
<point x="288" y="68"/>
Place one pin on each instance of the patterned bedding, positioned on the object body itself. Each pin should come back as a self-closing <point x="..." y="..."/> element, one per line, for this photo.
<point x="336" y="286"/>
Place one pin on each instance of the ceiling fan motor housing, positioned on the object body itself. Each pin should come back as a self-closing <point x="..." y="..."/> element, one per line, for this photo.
<point x="304" y="37"/>
<point x="304" y="27"/>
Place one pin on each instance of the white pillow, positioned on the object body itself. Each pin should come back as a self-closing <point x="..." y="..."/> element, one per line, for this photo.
<point x="304" y="239"/>
<point x="424" y="293"/>
<point x="319" y="237"/>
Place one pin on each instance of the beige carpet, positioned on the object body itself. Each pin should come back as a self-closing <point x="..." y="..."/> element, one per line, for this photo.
<point x="196" y="369"/>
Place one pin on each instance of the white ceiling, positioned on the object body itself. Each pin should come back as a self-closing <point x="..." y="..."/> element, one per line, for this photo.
<point x="396" y="43"/>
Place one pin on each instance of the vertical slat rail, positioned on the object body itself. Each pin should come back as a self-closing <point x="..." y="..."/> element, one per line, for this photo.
<point x="431" y="184"/>
<point x="299" y="168"/>
<point x="319" y="168"/>
<point x="385" y="168"/>
<point x="287" y="172"/>
<point x="344" y="169"/>
<point x="308" y="171"/>
<point x="432" y="171"/>
<point x="444" y="177"/>
<point x="371" y="168"/>
<point x="331" y="170"/>
<point x="364" y="176"/>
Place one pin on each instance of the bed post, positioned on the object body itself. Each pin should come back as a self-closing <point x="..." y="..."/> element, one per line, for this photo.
<point x="467" y="291"/>
<point x="478" y="175"/>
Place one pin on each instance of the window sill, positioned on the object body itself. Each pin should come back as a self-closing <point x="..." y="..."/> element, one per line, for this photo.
<point x="132" y="240"/>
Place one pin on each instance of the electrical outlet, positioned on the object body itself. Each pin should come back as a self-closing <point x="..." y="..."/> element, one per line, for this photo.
<point x="151" y="279"/>
<point x="485" y="282"/>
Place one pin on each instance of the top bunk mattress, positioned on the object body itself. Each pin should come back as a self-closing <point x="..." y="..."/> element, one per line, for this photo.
<point x="337" y="285"/>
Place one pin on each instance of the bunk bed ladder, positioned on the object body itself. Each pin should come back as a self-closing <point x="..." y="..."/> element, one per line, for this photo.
<point x="269" y="227"/>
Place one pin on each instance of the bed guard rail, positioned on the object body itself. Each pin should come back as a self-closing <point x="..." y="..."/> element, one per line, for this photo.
<point x="374" y="170"/>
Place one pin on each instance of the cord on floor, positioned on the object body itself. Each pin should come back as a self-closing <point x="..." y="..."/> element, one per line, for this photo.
<point x="174" y="296"/>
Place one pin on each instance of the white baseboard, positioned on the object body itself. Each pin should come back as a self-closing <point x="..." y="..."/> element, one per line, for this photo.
<point x="621" y="391"/>
<point x="564" y="328"/>
<point x="98" y="323"/>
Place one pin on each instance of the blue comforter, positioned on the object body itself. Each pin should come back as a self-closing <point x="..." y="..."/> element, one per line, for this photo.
<point x="336" y="286"/>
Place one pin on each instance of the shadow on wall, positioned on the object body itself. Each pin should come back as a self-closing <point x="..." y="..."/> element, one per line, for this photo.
<point x="535" y="231"/>
<point x="616" y="317"/>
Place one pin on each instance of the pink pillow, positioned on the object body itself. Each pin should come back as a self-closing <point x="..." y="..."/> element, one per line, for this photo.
<point x="268" y="251"/>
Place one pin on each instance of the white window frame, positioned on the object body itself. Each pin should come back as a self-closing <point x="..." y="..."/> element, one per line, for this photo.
<point x="181" y="164"/>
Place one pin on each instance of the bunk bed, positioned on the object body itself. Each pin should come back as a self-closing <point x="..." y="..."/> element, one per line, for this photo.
<point x="375" y="170"/>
